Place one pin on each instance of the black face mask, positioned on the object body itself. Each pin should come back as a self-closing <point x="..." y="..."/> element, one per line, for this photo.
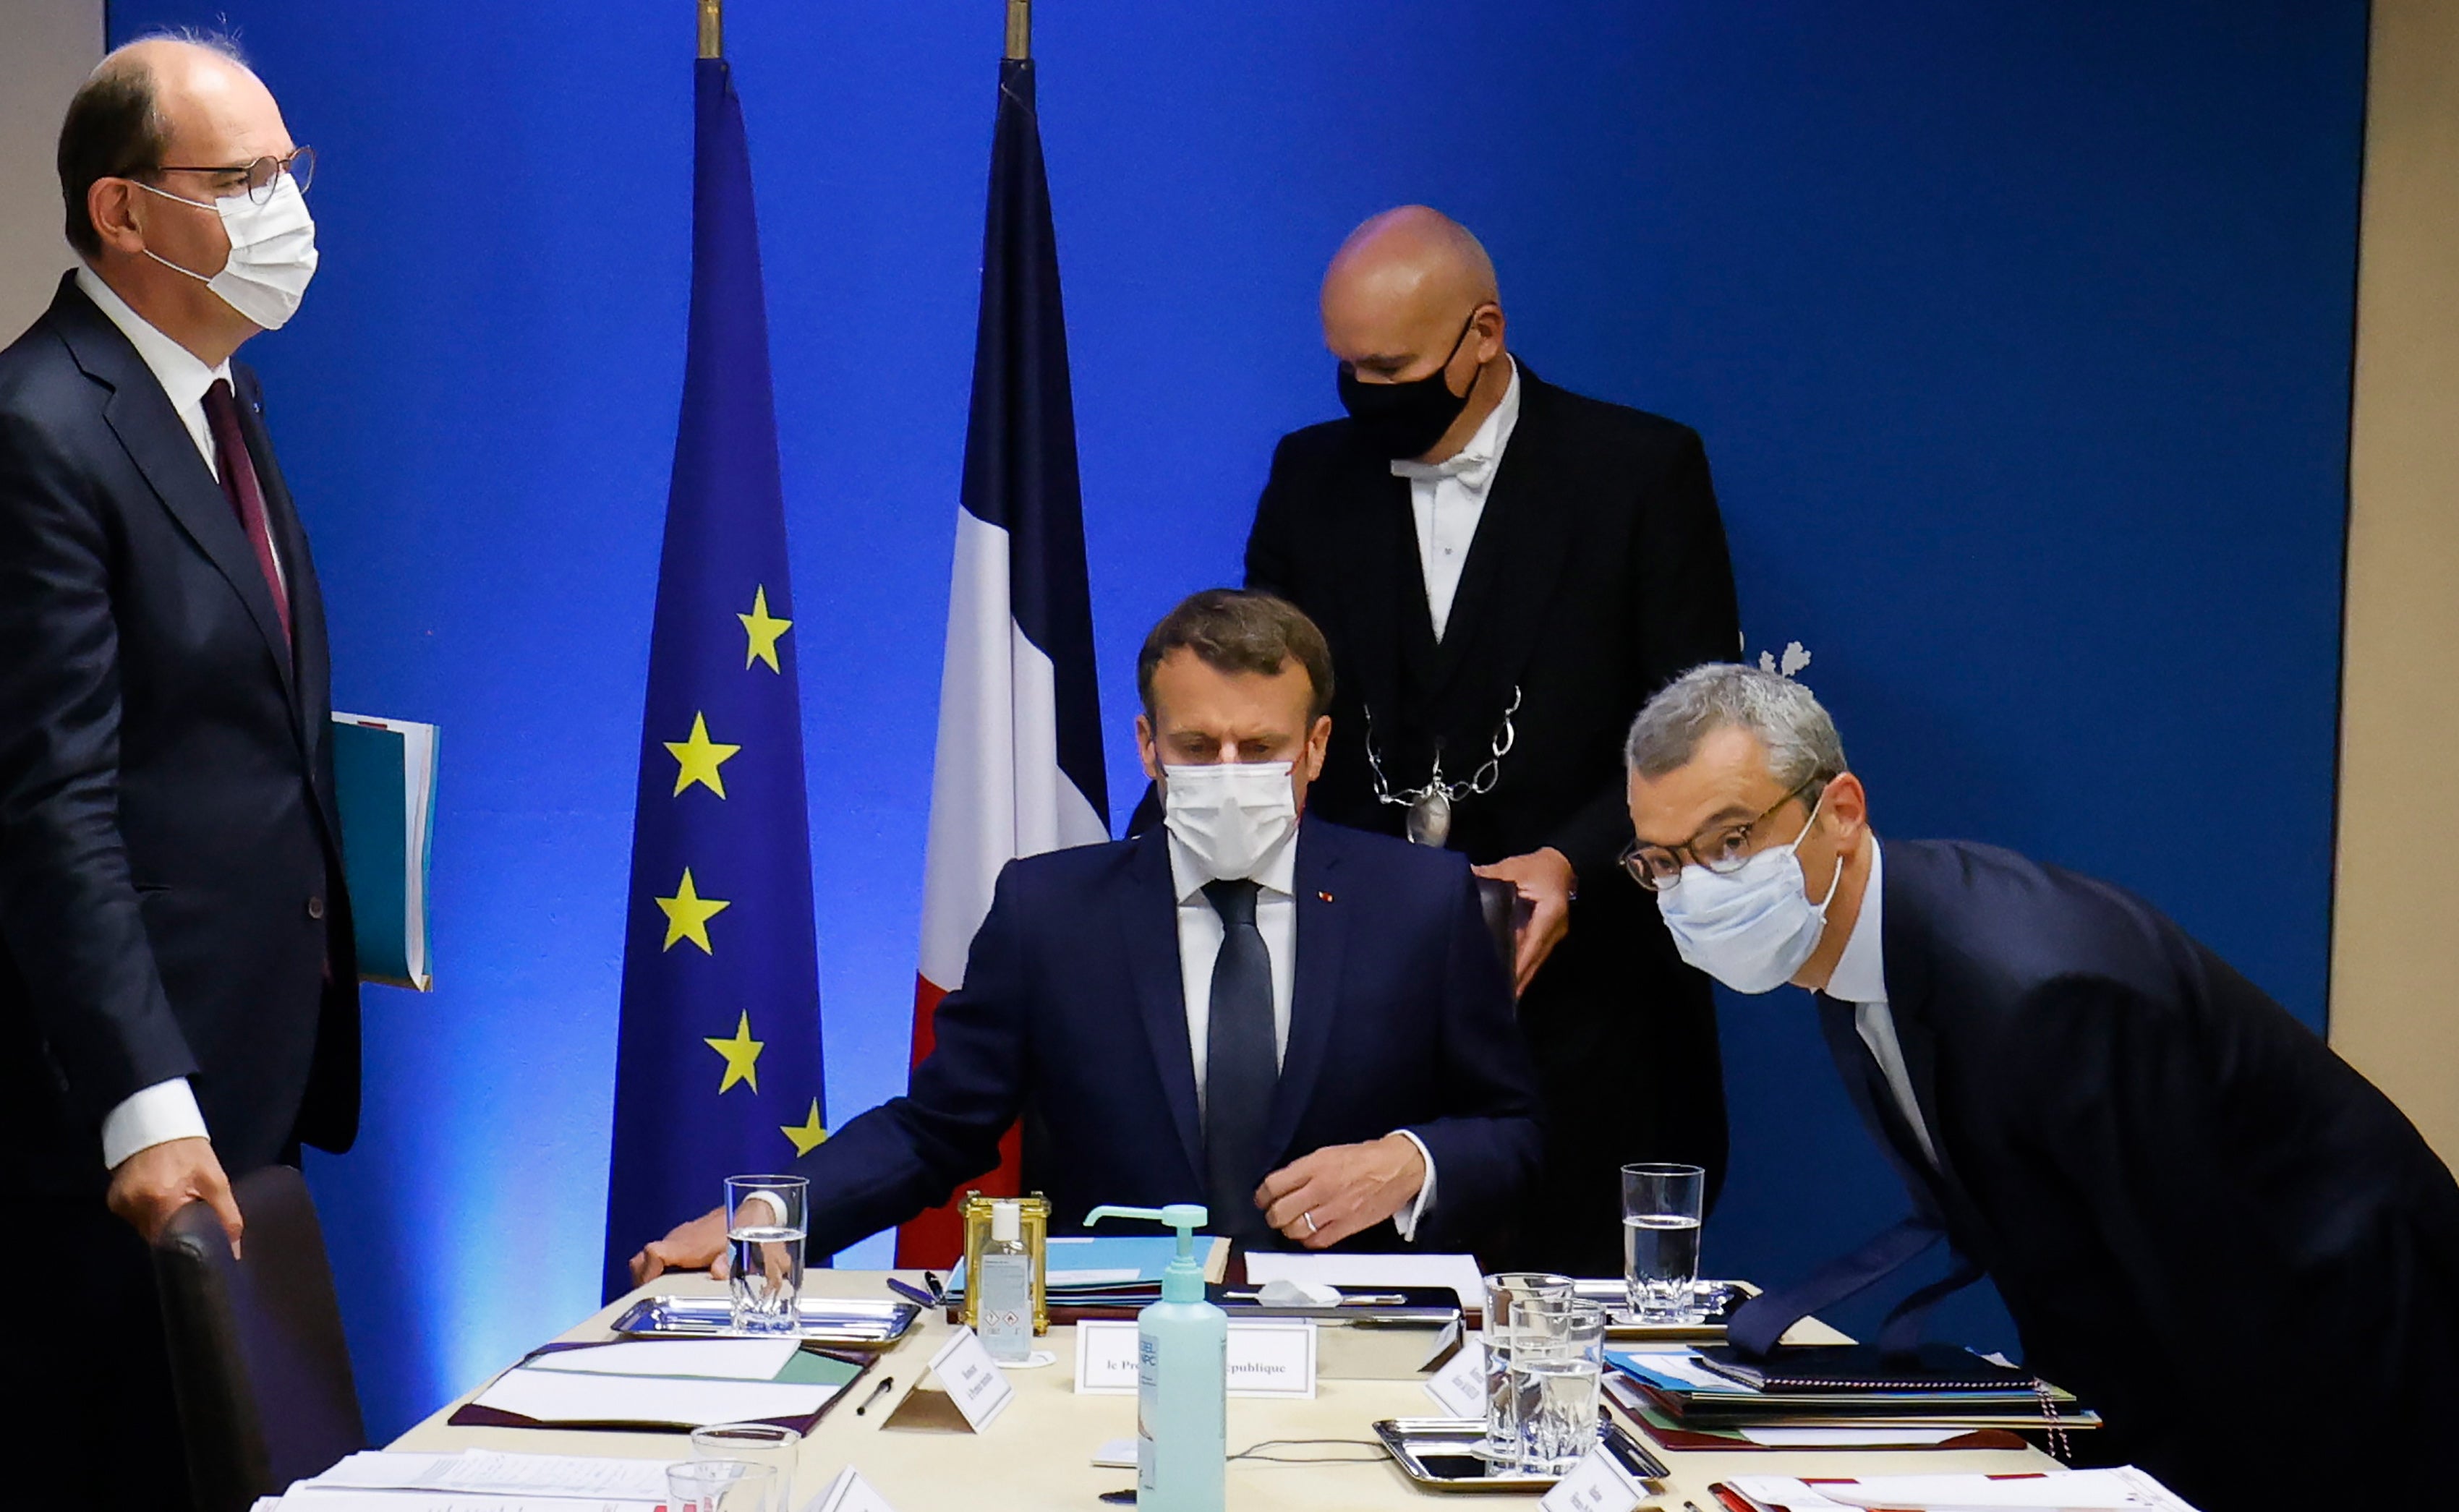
<point x="1403" y="420"/>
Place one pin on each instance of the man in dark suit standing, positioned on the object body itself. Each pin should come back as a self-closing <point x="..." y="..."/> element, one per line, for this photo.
<point x="2205" y="1224"/>
<point x="1506" y="571"/>
<point x="178" y="997"/>
<point x="1300" y="1026"/>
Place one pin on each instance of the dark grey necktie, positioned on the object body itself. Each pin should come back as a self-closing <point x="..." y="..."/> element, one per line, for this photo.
<point x="1240" y="1066"/>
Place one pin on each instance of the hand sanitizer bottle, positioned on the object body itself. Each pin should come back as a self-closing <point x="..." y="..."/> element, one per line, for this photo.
<point x="1181" y="1379"/>
<point x="1006" y="1281"/>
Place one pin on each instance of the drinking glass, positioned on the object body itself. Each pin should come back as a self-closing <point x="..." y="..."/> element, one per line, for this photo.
<point x="1506" y="1292"/>
<point x="765" y="1219"/>
<point x="753" y="1443"/>
<point x="1558" y="1354"/>
<point x="721" y="1486"/>
<point x="1660" y="1240"/>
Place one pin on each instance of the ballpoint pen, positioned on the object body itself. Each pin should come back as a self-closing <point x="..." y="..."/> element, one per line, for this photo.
<point x="876" y="1392"/>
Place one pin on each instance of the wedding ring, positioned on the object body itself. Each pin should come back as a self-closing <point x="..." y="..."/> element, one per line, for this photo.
<point x="1309" y="1216"/>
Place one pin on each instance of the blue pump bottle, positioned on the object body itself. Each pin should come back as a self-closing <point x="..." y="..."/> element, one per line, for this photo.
<point x="1182" y="1377"/>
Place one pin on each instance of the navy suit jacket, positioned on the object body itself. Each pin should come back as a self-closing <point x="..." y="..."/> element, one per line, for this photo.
<point x="2204" y="1221"/>
<point x="1073" y="1013"/>
<point x="170" y="893"/>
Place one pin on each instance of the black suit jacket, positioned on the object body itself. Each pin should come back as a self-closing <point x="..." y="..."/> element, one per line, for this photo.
<point x="1597" y="574"/>
<point x="170" y="893"/>
<point x="1073" y="1013"/>
<point x="2203" y="1221"/>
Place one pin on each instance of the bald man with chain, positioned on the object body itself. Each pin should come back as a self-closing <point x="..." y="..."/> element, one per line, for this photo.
<point x="1506" y="571"/>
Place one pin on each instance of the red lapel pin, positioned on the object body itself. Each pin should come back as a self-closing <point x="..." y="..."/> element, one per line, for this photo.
<point x="1325" y="896"/>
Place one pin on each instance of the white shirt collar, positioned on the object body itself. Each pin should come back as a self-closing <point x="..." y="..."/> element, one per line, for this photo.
<point x="1860" y="975"/>
<point x="183" y="377"/>
<point x="1277" y="873"/>
<point x="1484" y="447"/>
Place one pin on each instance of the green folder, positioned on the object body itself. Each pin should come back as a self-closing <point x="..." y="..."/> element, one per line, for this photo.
<point x="385" y="773"/>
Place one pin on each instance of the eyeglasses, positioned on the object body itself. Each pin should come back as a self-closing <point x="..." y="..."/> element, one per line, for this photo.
<point x="1720" y="849"/>
<point x="260" y="177"/>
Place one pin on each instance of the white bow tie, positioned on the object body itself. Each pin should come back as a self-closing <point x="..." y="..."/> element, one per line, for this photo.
<point x="1475" y="470"/>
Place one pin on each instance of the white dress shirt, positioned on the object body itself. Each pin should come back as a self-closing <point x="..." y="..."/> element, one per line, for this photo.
<point x="1860" y="978"/>
<point x="1200" y="933"/>
<point x="166" y="1110"/>
<point x="1448" y="499"/>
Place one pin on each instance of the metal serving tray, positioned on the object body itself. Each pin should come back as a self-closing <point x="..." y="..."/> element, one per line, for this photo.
<point x="1721" y="1297"/>
<point x="838" y="1322"/>
<point x="1439" y="1454"/>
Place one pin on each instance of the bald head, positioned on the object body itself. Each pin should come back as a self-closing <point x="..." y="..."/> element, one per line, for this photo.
<point x="1411" y="295"/>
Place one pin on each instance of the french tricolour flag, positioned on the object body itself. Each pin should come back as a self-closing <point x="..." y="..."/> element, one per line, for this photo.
<point x="1019" y="761"/>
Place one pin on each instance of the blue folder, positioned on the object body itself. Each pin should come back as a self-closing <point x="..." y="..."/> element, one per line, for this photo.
<point x="385" y="774"/>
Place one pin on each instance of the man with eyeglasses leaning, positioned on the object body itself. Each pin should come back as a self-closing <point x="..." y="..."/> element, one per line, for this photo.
<point x="179" y="999"/>
<point x="2204" y="1223"/>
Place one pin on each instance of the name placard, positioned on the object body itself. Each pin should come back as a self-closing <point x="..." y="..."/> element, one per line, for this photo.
<point x="849" y="1492"/>
<point x="1266" y="1359"/>
<point x="1459" y="1388"/>
<point x="1597" y="1484"/>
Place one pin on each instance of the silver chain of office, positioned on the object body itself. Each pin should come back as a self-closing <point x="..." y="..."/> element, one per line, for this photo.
<point x="1429" y="806"/>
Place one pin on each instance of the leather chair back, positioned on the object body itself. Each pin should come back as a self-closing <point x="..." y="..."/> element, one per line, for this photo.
<point x="1500" y="903"/>
<point x="257" y="1355"/>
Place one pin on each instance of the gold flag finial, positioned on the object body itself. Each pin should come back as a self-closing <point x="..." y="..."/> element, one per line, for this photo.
<point x="712" y="29"/>
<point x="1019" y="30"/>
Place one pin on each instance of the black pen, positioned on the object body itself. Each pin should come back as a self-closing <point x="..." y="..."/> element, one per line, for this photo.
<point x="876" y="1392"/>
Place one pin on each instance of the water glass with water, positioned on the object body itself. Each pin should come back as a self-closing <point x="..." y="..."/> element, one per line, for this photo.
<point x="721" y="1486"/>
<point x="759" y="1443"/>
<point x="764" y="1218"/>
<point x="1558" y="1354"/>
<point x="1661" y="1205"/>
<point x="1506" y="1294"/>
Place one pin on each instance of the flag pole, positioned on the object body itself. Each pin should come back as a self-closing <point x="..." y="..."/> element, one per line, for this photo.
<point x="712" y="29"/>
<point x="1019" y="30"/>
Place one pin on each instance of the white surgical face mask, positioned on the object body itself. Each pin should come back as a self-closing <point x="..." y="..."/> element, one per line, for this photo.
<point x="1754" y="927"/>
<point x="1229" y="814"/>
<point x="272" y="252"/>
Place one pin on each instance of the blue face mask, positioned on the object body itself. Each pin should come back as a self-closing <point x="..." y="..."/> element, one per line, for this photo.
<point x="1753" y="928"/>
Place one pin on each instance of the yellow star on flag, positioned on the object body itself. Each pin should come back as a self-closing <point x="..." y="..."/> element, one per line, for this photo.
<point x="687" y="915"/>
<point x="807" y="1137"/>
<point x="763" y="631"/>
<point x="742" y="1057"/>
<point x="697" y="760"/>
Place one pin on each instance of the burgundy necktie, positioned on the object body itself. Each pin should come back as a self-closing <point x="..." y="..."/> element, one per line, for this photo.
<point x="246" y="496"/>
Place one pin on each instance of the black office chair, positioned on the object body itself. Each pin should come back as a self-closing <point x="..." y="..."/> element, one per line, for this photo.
<point x="257" y="1356"/>
<point x="1505" y="911"/>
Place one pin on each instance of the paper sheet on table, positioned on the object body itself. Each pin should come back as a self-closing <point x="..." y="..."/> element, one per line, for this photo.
<point x="2124" y="1488"/>
<point x="492" y="1472"/>
<point x="1097" y="1276"/>
<point x="306" y="1498"/>
<point x="745" y="1359"/>
<point x="1848" y="1437"/>
<point x="571" y="1397"/>
<point x="1367" y="1271"/>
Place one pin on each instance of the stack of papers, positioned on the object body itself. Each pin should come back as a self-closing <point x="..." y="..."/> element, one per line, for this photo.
<point x="477" y="1480"/>
<point x="664" y="1384"/>
<point x="2125" y="1489"/>
<point x="1096" y="1269"/>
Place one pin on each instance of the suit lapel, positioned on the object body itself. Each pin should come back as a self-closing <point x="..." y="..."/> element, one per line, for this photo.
<point x="1905" y="947"/>
<point x="151" y="431"/>
<point x="1322" y="936"/>
<point x="1514" y="560"/>
<point x="1148" y="936"/>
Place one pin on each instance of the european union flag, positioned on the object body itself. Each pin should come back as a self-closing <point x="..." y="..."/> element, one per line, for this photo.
<point x="718" y="1064"/>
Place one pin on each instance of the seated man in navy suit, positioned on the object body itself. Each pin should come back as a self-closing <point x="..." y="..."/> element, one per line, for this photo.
<point x="1304" y="1027"/>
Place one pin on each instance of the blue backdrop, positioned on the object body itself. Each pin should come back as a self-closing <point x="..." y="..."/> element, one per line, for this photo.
<point x="2019" y="335"/>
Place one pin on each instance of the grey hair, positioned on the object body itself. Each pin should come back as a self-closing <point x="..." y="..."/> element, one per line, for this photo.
<point x="1803" y="750"/>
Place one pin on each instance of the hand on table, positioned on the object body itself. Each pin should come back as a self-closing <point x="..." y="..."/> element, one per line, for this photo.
<point x="158" y="1181"/>
<point x="1545" y="879"/>
<point x="1321" y="1199"/>
<point x="699" y="1244"/>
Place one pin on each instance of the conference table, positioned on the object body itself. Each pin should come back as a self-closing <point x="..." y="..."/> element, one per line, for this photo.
<point x="1038" y="1453"/>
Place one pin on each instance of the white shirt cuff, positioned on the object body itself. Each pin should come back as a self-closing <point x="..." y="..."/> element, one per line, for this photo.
<point x="165" y="1111"/>
<point x="1407" y="1219"/>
